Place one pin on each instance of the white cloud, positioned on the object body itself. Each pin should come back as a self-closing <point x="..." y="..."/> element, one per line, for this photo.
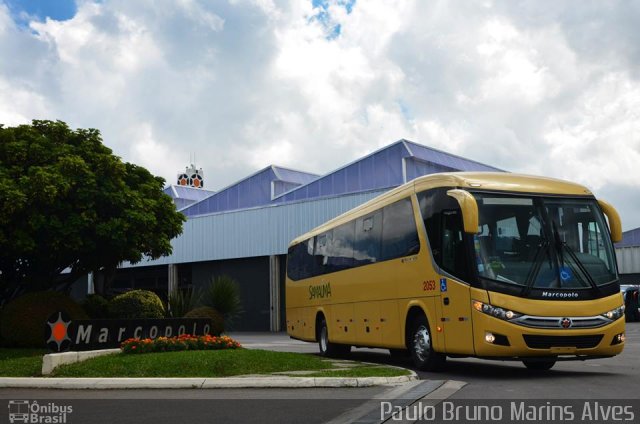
<point x="147" y="151"/>
<point x="599" y="140"/>
<point x="543" y="88"/>
<point x="20" y="104"/>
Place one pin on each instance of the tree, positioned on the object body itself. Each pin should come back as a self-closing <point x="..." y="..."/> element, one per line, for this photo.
<point x="66" y="202"/>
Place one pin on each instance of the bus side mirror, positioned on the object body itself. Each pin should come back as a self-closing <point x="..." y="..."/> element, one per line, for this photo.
<point x="615" y="225"/>
<point x="469" y="208"/>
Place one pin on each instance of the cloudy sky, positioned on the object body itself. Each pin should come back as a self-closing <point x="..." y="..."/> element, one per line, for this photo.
<point x="541" y="87"/>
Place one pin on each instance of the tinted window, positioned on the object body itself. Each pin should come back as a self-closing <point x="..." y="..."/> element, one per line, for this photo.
<point x="320" y="253"/>
<point x="340" y="248"/>
<point x="357" y="242"/>
<point x="542" y="242"/>
<point x="399" y="234"/>
<point x="368" y="239"/>
<point x="300" y="260"/>
<point x="443" y="221"/>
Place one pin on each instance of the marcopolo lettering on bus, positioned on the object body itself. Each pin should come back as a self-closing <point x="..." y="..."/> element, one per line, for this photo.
<point x="560" y="295"/>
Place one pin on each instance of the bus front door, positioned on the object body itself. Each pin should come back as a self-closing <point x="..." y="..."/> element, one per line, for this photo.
<point x="455" y="320"/>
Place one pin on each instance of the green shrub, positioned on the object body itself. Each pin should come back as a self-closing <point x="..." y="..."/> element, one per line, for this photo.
<point x="96" y="306"/>
<point x="181" y="301"/>
<point x="136" y="304"/>
<point x="217" y="320"/>
<point x="23" y="320"/>
<point x="223" y="295"/>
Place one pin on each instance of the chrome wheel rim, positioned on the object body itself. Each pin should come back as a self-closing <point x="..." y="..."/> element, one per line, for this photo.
<point x="323" y="339"/>
<point x="422" y="343"/>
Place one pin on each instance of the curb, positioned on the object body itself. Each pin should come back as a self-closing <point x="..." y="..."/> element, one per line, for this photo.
<point x="54" y="360"/>
<point x="199" y="383"/>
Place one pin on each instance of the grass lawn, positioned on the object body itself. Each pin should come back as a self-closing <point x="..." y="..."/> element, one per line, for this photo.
<point x="212" y="363"/>
<point x="21" y="362"/>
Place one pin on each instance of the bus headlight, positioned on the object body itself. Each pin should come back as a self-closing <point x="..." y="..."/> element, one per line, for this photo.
<point x="494" y="311"/>
<point x="614" y="314"/>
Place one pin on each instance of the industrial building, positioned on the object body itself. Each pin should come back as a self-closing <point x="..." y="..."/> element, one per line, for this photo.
<point x="628" y="256"/>
<point x="243" y="230"/>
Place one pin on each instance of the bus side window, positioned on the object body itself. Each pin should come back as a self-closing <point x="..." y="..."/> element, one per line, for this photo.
<point x="399" y="234"/>
<point x="454" y="259"/>
<point x="340" y="248"/>
<point x="443" y="222"/>
<point x="368" y="239"/>
<point x="300" y="260"/>
<point x="320" y="253"/>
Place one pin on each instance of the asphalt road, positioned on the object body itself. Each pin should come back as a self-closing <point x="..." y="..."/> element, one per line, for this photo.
<point x="610" y="378"/>
<point x="613" y="378"/>
<point x="196" y="406"/>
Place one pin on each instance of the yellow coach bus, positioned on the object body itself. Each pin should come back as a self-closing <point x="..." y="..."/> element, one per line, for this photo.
<point x="490" y="265"/>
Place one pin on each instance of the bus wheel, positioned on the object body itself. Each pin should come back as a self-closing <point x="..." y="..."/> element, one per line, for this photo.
<point x="421" y="347"/>
<point x="327" y="348"/>
<point x="538" y="365"/>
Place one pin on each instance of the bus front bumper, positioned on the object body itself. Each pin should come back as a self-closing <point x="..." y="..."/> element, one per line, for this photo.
<point x="497" y="338"/>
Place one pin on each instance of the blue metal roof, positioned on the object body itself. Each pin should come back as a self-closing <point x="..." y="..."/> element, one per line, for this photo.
<point x="255" y="190"/>
<point x="444" y="159"/>
<point x="388" y="167"/>
<point x="383" y="169"/>
<point x="293" y="176"/>
<point x="185" y="192"/>
<point x="630" y="238"/>
<point x="378" y="170"/>
<point x="184" y="196"/>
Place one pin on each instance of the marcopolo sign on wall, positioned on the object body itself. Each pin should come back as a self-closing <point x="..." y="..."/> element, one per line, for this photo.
<point x="62" y="334"/>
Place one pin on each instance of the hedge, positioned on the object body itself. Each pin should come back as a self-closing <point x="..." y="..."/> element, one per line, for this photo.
<point x="22" y="322"/>
<point x="217" y="320"/>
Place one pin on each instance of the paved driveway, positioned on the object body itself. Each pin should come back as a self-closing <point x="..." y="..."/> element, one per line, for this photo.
<point x="281" y="342"/>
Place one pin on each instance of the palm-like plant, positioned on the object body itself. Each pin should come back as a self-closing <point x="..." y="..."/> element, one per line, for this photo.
<point x="223" y="294"/>
<point x="182" y="301"/>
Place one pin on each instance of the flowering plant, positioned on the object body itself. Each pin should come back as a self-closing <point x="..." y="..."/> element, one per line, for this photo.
<point x="182" y="342"/>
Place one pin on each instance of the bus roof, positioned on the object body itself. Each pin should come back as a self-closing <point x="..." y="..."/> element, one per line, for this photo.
<point x="492" y="181"/>
<point x="501" y="181"/>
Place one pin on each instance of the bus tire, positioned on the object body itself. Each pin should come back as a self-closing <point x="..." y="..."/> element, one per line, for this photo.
<point x="327" y="348"/>
<point x="421" y="347"/>
<point x="539" y="365"/>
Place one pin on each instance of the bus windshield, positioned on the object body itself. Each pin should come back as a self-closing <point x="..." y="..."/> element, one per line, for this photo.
<point x="543" y="242"/>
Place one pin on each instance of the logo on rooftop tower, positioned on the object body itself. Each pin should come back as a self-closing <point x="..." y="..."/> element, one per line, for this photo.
<point x="191" y="177"/>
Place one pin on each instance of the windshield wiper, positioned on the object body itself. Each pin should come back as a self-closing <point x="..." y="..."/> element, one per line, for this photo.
<point x="536" y="263"/>
<point x="580" y="265"/>
<point x="562" y="245"/>
<point x="559" y="244"/>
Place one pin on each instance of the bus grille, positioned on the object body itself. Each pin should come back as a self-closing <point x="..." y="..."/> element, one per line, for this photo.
<point x="555" y="322"/>
<point x="547" y="342"/>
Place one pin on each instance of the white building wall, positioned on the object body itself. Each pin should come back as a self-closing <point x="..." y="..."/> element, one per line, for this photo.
<point x="628" y="259"/>
<point x="261" y="231"/>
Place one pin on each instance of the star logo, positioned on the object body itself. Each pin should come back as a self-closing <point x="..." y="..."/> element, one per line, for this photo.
<point x="565" y="322"/>
<point x="57" y="332"/>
